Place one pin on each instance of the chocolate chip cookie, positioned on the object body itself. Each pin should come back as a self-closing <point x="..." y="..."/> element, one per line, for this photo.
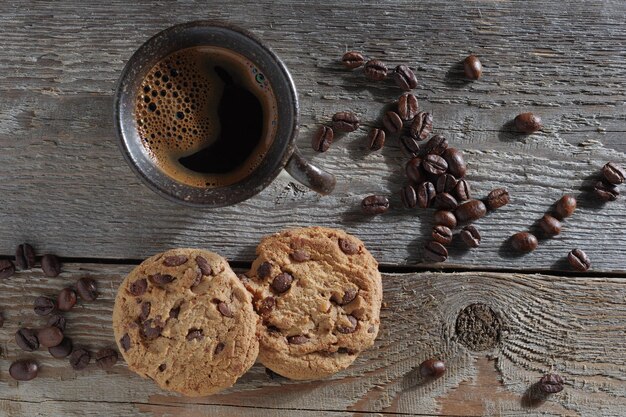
<point x="184" y="319"/>
<point x="318" y="292"/>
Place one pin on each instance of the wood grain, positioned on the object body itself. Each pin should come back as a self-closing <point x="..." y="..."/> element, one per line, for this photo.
<point x="570" y="325"/>
<point x="66" y="188"/>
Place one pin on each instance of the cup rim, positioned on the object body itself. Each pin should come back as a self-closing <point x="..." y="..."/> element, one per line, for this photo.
<point x="217" y="196"/>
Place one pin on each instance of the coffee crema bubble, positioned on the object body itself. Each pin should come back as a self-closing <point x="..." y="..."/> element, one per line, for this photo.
<point x="206" y="116"/>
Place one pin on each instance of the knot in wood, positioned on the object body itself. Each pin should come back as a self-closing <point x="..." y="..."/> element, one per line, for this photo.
<point x="478" y="327"/>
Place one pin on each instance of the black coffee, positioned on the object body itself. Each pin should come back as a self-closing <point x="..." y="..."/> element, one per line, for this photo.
<point x="206" y="115"/>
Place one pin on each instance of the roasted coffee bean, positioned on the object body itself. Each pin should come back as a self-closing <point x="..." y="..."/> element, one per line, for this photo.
<point x="436" y="145"/>
<point x="422" y="126"/>
<point x="80" y="358"/>
<point x="404" y="77"/>
<point x="106" y="358"/>
<point x="50" y="265"/>
<point x="1" y="319"/>
<point x="175" y="260"/>
<point x="345" y="121"/>
<point x="524" y="242"/>
<point x="442" y="234"/>
<point x="408" y="196"/>
<point x="549" y="225"/>
<point x="435" y="252"/>
<point x="49" y="336"/>
<point x="44" y="306"/>
<point x="446" y="183"/>
<point x="606" y="192"/>
<point x="323" y="138"/>
<point x="472" y="67"/>
<point x="375" y="204"/>
<point x="497" y="198"/>
<point x="7" y="269"/>
<point x="24" y="370"/>
<point x="470" y="236"/>
<point x="527" y="123"/>
<point x="125" y="342"/>
<point x="205" y="267"/>
<point x="579" y="260"/>
<point x="565" y="207"/>
<point x="613" y="173"/>
<point x="445" y="201"/>
<point x="432" y="368"/>
<point x="375" y="70"/>
<point x="26" y="339"/>
<point x="66" y="299"/>
<point x="282" y="282"/>
<point x="224" y="309"/>
<point x="414" y="171"/>
<point x="410" y="146"/>
<point x="266" y="305"/>
<point x="88" y="290"/>
<point x="445" y="218"/>
<point x="376" y="139"/>
<point x="57" y="320"/>
<point x="297" y="340"/>
<point x="551" y="383"/>
<point x="25" y="256"/>
<point x="392" y="122"/>
<point x="349" y="328"/>
<point x="434" y="164"/>
<point x="299" y="256"/>
<point x="348" y="296"/>
<point x="456" y="162"/>
<point x="408" y="106"/>
<point x="470" y="211"/>
<point x="462" y="190"/>
<point x="425" y="194"/>
<point x="352" y="59"/>
<point x="62" y="350"/>
<point x="348" y="246"/>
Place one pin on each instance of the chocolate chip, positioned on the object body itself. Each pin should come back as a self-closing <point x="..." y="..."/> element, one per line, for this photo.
<point x="106" y="358"/>
<point x="220" y="347"/>
<point x="297" y="340"/>
<point x="264" y="270"/>
<point x="224" y="309"/>
<point x="174" y="312"/>
<point x="266" y="305"/>
<point x="125" y="342"/>
<point x="145" y="311"/>
<point x="175" y="260"/>
<point x="195" y="334"/>
<point x="161" y="279"/>
<point x="282" y="282"/>
<point x="138" y="287"/>
<point x="80" y="358"/>
<point x="300" y="256"/>
<point x="204" y="266"/>
<point x="150" y="330"/>
<point x="348" y="329"/>
<point x="348" y="296"/>
<point x="348" y="247"/>
<point x="162" y="367"/>
<point x="344" y="350"/>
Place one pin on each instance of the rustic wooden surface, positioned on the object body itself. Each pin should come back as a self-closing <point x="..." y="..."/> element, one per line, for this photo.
<point x="66" y="189"/>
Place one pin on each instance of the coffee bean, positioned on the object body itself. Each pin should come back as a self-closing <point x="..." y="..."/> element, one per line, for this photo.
<point x="408" y="196"/>
<point x="125" y="342"/>
<point x="345" y="121"/>
<point x="150" y="329"/>
<point x="80" y="358"/>
<point x="404" y="77"/>
<point x="414" y="170"/>
<point x="375" y="204"/>
<point x="225" y="310"/>
<point x="462" y="190"/>
<point x="297" y="340"/>
<point x="445" y="218"/>
<point x="49" y="336"/>
<point x="524" y="242"/>
<point x="436" y="145"/>
<point x="106" y="358"/>
<point x="497" y="198"/>
<point x="57" y="320"/>
<point x="425" y="194"/>
<point x="472" y="67"/>
<point x="352" y="59"/>
<point x="527" y="123"/>
<point x="300" y="256"/>
<point x="446" y="183"/>
<point x="376" y="139"/>
<point x="323" y="138"/>
<point x="26" y="339"/>
<point x="7" y="269"/>
<point x="266" y="305"/>
<point x="551" y="384"/>
<point x="175" y="260"/>
<point x="392" y="122"/>
<point x="62" y="350"/>
<point x="422" y="126"/>
<point x="350" y="328"/>
<point x="88" y="291"/>
<point x="408" y="106"/>
<point x="409" y="146"/>
<point x="348" y="296"/>
<point x="565" y="207"/>
<point x="435" y="252"/>
<point x="434" y="164"/>
<point x="579" y="260"/>
<point x="606" y="192"/>
<point x="195" y="334"/>
<point x="549" y="225"/>
<point x="432" y="368"/>
<point x="470" y="211"/>
<point x="613" y="173"/>
<point x="456" y="162"/>
<point x="375" y="70"/>
<point x="1" y="320"/>
<point x="66" y="299"/>
<point x="442" y="234"/>
<point x="25" y="256"/>
<point x="50" y="265"/>
<point x="282" y="282"/>
<point x="348" y="247"/>
<point x="470" y="236"/>
<point x="44" y="306"/>
<point x="146" y="306"/>
<point x="445" y="201"/>
<point x="23" y="370"/>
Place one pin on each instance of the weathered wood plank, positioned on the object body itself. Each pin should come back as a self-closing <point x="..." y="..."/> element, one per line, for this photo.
<point x="574" y="326"/>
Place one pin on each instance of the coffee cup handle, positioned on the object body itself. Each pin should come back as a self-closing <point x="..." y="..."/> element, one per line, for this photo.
<point x="308" y="174"/>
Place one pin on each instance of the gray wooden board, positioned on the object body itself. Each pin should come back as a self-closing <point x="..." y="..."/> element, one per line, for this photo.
<point x="66" y="188"/>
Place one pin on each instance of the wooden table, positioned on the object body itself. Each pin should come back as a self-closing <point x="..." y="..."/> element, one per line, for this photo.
<point x="66" y="189"/>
